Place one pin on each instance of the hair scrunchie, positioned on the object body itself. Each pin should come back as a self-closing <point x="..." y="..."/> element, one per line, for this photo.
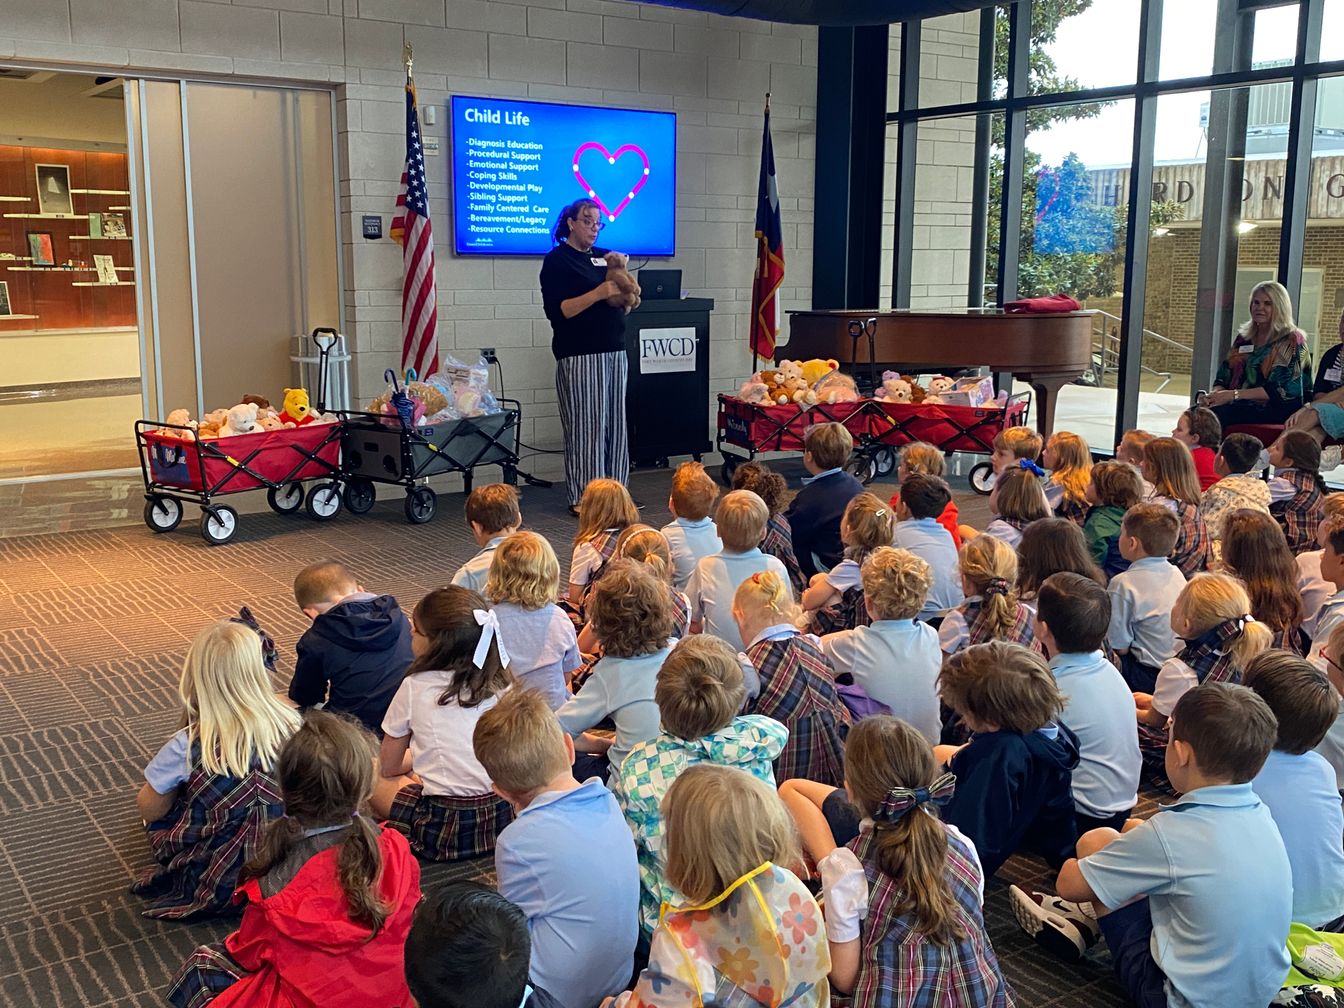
<point x="489" y="624"/>
<point x="1030" y="467"/>
<point x="996" y="586"/>
<point x="901" y="800"/>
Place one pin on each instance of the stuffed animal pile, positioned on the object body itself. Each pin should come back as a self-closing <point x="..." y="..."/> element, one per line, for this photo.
<point x="906" y="389"/>
<point x="251" y="415"/>
<point x="793" y="381"/>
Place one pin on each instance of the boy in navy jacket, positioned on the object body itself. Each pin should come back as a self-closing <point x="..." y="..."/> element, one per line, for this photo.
<point x="814" y="515"/>
<point x="354" y="656"/>
<point x="1013" y="776"/>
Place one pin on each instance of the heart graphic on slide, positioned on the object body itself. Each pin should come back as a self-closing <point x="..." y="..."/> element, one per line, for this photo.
<point x="611" y="158"/>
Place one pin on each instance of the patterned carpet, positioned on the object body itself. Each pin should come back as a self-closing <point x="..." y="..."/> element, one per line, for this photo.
<point x="93" y="628"/>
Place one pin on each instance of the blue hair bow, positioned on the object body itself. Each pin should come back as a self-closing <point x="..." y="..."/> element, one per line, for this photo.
<point x="1030" y="466"/>
<point x="901" y="800"/>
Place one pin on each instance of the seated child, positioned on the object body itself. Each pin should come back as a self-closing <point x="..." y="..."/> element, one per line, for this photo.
<point x="1013" y="776"/>
<point x="1314" y="588"/>
<point x="1195" y="902"/>
<point x="895" y="660"/>
<point x="1050" y="546"/>
<point x="1069" y="461"/>
<point x="991" y="611"/>
<point x="814" y="514"/>
<point x="646" y="545"/>
<point x="1332" y="746"/>
<point x="630" y="617"/>
<point x="327" y="902"/>
<point x="770" y="487"/>
<point x="728" y="840"/>
<point x="1331" y="612"/>
<point x="1254" y="551"/>
<point x="1297" y="785"/>
<point x="797" y="683"/>
<point x="922" y="459"/>
<point x="919" y="529"/>
<point x="1130" y="449"/>
<point x="605" y="511"/>
<point x="1167" y="465"/>
<point x="691" y="533"/>
<point x="1238" y="488"/>
<point x="699" y="693"/>
<point x="741" y="520"/>
<point x="469" y="948"/>
<point x="493" y="514"/>
<point x="903" y="887"/>
<point x="1020" y="501"/>
<point x="211" y="790"/>
<point x="1199" y="429"/>
<point x="584" y="924"/>
<point x="1114" y="489"/>
<point x="1071" y="623"/>
<point x="1144" y="595"/>
<point x="1012" y="447"/>
<point x="1297" y="492"/>
<point x="523" y="587"/>
<point x="353" y="657"/>
<point x="834" y="600"/>
<point x="431" y="786"/>
<point x="1212" y="617"/>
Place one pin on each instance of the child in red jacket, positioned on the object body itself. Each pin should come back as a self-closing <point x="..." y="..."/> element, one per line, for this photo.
<point x="328" y="899"/>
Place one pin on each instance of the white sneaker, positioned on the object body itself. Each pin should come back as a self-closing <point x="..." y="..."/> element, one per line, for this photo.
<point x="1331" y="458"/>
<point x="1064" y="928"/>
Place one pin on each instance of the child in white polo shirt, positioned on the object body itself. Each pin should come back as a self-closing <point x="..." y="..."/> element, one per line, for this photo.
<point x="1144" y="594"/>
<point x="691" y="533"/>
<point x="1195" y="902"/>
<point x="1071" y="619"/>
<point x="493" y="515"/>
<point x="1298" y="785"/>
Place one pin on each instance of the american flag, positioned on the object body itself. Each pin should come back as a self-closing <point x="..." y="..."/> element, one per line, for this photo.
<point x="419" y="301"/>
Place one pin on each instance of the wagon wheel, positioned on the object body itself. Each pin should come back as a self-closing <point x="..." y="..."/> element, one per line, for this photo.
<point x="885" y="459"/>
<point x="162" y="514"/>
<point x="219" y="522"/>
<point x="286" y="498"/>
<point x="421" y="503"/>
<point x="730" y="464"/>
<point x="324" y="501"/>
<point x="982" y="478"/>
<point x="359" y="495"/>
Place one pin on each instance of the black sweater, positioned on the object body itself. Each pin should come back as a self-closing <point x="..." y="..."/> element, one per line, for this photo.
<point x="567" y="273"/>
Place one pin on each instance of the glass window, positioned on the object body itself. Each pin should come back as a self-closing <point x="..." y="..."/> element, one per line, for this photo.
<point x="1332" y="30"/>
<point x="1187" y="39"/>
<point x="1320" y="311"/>
<point x="1064" y="50"/>
<point x="1275" y="41"/>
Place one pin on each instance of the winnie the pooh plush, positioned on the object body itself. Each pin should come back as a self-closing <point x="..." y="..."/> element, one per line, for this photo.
<point x="297" y="409"/>
<point x="816" y="369"/>
<point x="618" y="271"/>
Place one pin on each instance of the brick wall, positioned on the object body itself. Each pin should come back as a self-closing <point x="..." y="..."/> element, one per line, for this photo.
<point x="713" y="71"/>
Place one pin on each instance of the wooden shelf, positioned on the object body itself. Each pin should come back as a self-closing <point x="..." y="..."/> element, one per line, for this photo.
<point x="6" y="318"/>
<point x="16" y="199"/>
<point x="47" y="216"/>
<point x="119" y="208"/>
<point x="99" y="238"/>
<point x="17" y="259"/>
<point x="102" y="192"/>
<point x="48" y="269"/>
<point x="99" y="283"/>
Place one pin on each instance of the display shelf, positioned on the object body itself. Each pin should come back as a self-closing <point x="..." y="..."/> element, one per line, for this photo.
<point x="7" y="318"/>
<point x="100" y="237"/>
<point x="119" y="208"/>
<point x="47" y="216"/>
<point x="48" y="269"/>
<point x="16" y="199"/>
<point x="99" y="283"/>
<point x="102" y="192"/>
<point x="11" y="259"/>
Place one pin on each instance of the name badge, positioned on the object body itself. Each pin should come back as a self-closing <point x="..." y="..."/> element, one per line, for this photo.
<point x="598" y="262"/>
<point x="1244" y="348"/>
<point x="1334" y="374"/>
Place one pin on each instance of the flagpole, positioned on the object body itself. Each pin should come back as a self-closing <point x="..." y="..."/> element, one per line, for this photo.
<point x="758" y="240"/>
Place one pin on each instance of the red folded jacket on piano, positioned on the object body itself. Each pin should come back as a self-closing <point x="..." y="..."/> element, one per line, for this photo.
<point x="1043" y="305"/>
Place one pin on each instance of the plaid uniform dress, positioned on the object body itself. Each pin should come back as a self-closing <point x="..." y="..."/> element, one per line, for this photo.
<point x="1074" y="511"/>
<point x="200" y="847"/>
<point x="900" y="967"/>
<point x="448" y="827"/>
<point x="1194" y="547"/>
<point x="778" y="543"/>
<point x="850" y="611"/>
<point x="1210" y="664"/>
<point x="1300" y="515"/>
<point x="798" y="689"/>
<point x="605" y="544"/>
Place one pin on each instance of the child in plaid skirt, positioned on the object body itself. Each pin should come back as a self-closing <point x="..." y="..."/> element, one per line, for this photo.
<point x="1297" y="492"/>
<point x="432" y="788"/>
<point x="797" y="682"/>
<point x="605" y="511"/>
<point x="834" y="600"/>
<point x="210" y="791"/>
<point x="328" y="899"/>
<point x="1169" y="467"/>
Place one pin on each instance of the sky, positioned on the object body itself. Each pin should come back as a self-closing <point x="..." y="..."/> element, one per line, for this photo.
<point x="1099" y="48"/>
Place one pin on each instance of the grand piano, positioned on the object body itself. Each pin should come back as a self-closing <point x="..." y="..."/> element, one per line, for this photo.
<point x="1045" y="351"/>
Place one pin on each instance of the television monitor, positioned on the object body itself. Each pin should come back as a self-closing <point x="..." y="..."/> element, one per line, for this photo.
<point x="517" y="163"/>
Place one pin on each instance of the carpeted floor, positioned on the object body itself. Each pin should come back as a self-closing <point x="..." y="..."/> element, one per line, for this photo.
<point x="93" y="628"/>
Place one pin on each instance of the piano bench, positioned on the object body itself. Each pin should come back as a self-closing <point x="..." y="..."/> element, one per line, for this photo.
<point x="1268" y="433"/>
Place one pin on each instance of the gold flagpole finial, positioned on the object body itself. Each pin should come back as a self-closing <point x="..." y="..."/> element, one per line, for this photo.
<point x="408" y="56"/>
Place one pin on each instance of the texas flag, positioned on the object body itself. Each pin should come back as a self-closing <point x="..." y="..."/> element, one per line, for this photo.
<point x="769" y="255"/>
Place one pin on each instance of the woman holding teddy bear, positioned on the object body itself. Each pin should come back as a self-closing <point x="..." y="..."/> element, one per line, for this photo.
<point x="587" y="315"/>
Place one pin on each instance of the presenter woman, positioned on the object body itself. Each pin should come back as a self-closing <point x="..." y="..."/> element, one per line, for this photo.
<point x="1266" y="375"/>
<point x="588" y="340"/>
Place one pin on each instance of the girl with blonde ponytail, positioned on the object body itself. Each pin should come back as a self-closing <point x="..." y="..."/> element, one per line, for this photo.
<point x="209" y="792"/>
<point x="905" y="887"/>
<point x="330" y="896"/>
<point x="797" y="683"/>
<point x="991" y="610"/>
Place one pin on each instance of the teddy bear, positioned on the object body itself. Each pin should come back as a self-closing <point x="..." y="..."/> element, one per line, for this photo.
<point x="754" y="390"/>
<point x="211" y="423"/>
<point x="837" y="387"/>
<point x="894" y="388"/>
<point x="791" y="387"/>
<point x="242" y="419"/>
<point x="268" y="420"/>
<point x="178" y="419"/>
<point x="938" y="385"/>
<point x="618" y="272"/>
<point x="297" y="408"/>
<point x="816" y="369"/>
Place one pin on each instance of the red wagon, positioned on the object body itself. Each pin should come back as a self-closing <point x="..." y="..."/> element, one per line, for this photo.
<point x="767" y="427"/>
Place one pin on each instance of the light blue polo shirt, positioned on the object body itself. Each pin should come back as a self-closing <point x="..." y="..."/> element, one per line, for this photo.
<point x="933" y="544"/>
<point x="472" y="575"/>
<point x="621" y="688"/>
<point x="1332" y="748"/>
<point x="1301" y="796"/>
<point x="584" y="922"/>
<point x="1099" y="707"/>
<point x="714" y="583"/>
<point x="1142" y="598"/>
<point x="689" y="541"/>
<point x="1220" y="892"/>
<point x="896" y="662"/>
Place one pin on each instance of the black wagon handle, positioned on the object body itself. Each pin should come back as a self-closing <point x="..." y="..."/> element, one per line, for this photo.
<point x="325" y="339"/>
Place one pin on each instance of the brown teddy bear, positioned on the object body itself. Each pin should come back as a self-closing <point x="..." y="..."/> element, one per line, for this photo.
<point x="618" y="271"/>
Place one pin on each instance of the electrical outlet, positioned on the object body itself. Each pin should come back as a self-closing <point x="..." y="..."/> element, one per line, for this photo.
<point x="488" y="354"/>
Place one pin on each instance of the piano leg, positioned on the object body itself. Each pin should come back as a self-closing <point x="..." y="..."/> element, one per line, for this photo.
<point x="1047" y="393"/>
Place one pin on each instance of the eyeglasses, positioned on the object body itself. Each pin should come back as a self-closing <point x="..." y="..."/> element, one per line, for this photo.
<point x="1330" y="661"/>
<point x="596" y="222"/>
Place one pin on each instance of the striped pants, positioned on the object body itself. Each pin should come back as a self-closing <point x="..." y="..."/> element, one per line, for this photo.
<point x="591" y="392"/>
